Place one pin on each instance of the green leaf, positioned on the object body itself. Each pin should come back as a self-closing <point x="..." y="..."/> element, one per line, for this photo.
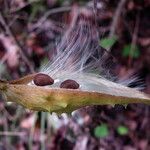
<point x="37" y="6"/>
<point x="101" y="131"/>
<point x="131" y="50"/>
<point x="122" y="130"/>
<point x="108" y="42"/>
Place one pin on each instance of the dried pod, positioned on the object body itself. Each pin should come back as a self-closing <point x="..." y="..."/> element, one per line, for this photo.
<point x="69" y="84"/>
<point x="42" y="80"/>
<point x="63" y="100"/>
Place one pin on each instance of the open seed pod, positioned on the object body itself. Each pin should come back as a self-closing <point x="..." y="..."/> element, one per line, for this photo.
<point x="66" y="100"/>
<point x="73" y="78"/>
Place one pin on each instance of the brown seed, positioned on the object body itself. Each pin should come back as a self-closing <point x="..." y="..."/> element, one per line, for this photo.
<point x="42" y="80"/>
<point x="69" y="84"/>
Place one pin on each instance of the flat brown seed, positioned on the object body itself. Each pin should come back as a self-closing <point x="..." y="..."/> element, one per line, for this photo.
<point x="69" y="84"/>
<point x="42" y="80"/>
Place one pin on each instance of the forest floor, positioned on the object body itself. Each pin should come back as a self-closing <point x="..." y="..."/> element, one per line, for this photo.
<point x="29" y="31"/>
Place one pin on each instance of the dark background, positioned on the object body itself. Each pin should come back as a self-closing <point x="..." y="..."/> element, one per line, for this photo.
<point x="25" y="45"/>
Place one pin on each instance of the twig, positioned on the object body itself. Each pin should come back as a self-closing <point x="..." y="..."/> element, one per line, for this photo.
<point x="5" y="133"/>
<point x="116" y="17"/>
<point x="43" y="121"/>
<point x="30" y="140"/>
<point x="95" y="7"/>
<point x="25" y="5"/>
<point x="51" y="12"/>
<point x="7" y="139"/>
<point x="20" y="47"/>
<point x="95" y="12"/>
<point x="114" y="25"/>
<point x="134" y="39"/>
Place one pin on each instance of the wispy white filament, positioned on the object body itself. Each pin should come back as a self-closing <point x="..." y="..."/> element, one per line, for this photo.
<point x="78" y="51"/>
<point x="79" y="57"/>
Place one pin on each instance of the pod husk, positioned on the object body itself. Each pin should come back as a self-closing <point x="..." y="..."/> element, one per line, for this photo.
<point x="60" y="100"/>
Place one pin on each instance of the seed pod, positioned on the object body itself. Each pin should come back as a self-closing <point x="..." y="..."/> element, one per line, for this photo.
<point x="69" y="84"/>
<point x="42" y="80"/>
